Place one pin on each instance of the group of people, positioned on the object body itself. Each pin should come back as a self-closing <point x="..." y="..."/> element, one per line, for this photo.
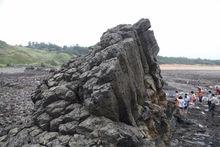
<point x="184" y="101"/>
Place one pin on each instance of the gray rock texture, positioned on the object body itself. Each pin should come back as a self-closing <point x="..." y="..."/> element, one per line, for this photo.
<point x="112" y="96"/>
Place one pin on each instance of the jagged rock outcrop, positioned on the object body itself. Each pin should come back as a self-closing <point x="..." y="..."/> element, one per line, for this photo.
<point x="113" y="95"/>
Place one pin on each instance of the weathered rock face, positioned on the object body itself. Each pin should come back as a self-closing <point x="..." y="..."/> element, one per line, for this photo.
<point x="111" y="96"/>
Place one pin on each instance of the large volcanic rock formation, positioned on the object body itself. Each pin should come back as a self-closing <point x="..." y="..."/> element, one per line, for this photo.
<point x="113" y="95"/>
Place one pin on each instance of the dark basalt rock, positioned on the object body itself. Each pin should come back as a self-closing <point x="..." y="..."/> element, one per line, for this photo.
<point x="113" y="95"/>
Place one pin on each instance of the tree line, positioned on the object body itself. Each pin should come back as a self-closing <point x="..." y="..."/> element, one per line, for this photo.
<point x="79" y="50"/>
<point x="74" y="49"/>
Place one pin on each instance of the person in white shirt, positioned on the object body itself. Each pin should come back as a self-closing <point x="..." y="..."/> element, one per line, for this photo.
<point x="209" y="97"/>
<point x="214" y="101"/>
<point x="187" y="99"/>
<point x="181" y="104"/>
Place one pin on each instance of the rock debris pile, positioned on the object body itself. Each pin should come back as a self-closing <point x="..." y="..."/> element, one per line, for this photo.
<point x="112" y="96"/>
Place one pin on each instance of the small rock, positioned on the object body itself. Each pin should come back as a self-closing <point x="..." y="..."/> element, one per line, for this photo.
<point x="68" y="128"/>
<point x="36" y="132"/>
<point x="71" y="96"/>
<point x="55" y="108"/>
<point x="43" y="121"/>
<point x="3" y="138"/>
<point x="54" y="124"/>
<point x="201" y="126"/>
<point x="47" y="137"/>
<point x="64" y="139"/>
<point x="79" y="112"/>
<point x="13" y="131"/>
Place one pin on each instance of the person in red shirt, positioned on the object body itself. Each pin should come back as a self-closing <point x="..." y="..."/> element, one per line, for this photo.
<point x="217" y="90"/>
<point x="200" y="94"/>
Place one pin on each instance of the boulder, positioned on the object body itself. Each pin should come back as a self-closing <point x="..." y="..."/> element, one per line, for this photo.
<point x="111" y="96"/>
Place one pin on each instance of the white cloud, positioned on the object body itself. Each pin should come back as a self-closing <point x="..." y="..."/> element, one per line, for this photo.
<point x="183" y="28"/>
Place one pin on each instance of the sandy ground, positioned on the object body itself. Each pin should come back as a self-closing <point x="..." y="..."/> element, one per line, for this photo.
<point x="189" y="80"/>
<point x="188" y="67"/>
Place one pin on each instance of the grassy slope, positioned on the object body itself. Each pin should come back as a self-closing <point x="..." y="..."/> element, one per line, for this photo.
<point x="23" y="55"/>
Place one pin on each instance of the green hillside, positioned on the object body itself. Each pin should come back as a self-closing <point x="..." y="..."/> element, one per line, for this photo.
<point x="18" y="55"/>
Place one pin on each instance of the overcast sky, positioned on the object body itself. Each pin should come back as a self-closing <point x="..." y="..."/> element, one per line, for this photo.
<point x="189" y="28"/>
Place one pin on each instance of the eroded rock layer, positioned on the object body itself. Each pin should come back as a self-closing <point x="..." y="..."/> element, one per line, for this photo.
<point x="113" y="95"/>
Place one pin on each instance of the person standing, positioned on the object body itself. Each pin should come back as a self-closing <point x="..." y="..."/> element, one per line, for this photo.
<point x="217" y="90"/>
<point x="176" y="98"/>
<point x="192" y="99"/>
<point x="209" y="97"/>
<point x="186" y="102"/>
<point x="214" y="101"/>
<point x="200" y="94"/>
<point x="181" y="105"/>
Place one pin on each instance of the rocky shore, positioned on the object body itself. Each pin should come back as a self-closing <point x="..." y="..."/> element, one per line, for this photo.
<point x="114" y="96"/>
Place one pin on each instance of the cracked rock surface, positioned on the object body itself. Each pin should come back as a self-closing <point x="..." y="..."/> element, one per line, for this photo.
<point x="112" y="96"/>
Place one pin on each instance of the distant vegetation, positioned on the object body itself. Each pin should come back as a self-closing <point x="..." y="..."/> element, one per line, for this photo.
<point x="74" y="49"/>
<point x="3" y="44"/>
<point x="183" y="60"/>
<point x="51" y="54"/>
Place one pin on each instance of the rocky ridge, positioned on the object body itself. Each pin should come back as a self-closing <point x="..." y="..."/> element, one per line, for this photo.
<point x="112" y="96"/>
